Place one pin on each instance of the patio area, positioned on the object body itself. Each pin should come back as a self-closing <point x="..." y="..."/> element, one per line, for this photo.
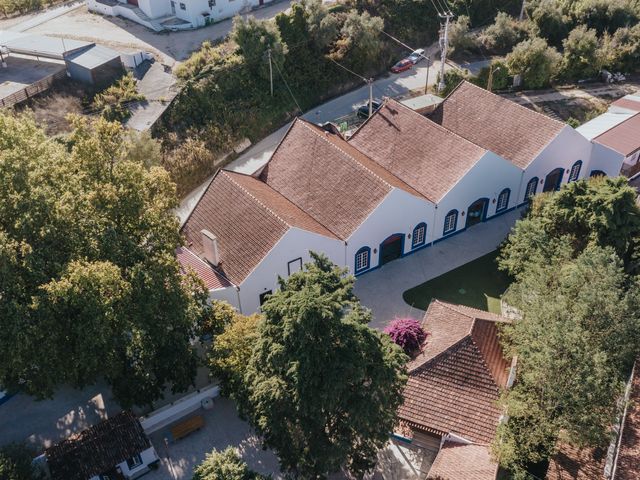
<point x="222" y="428"/>
<point x="382" y="290"/>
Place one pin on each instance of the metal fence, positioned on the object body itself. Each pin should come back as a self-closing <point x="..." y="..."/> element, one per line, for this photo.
<point x="31" y="90"/>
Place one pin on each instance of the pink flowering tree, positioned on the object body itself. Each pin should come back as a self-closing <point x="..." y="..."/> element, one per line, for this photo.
<point x="408" y="333"/>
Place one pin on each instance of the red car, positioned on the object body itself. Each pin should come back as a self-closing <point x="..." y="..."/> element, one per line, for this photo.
<point x="402" y="65"/>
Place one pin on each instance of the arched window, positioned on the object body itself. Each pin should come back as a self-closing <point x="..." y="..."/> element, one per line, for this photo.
<point x="419" y="235"/>
<point x="450" y="222"/>
<point x="597" y="173"/>
<point x="363" y="259"/>
<point x="575" y="171"/>
<point x="503" y="200"/>
<point x="532" y="186"/>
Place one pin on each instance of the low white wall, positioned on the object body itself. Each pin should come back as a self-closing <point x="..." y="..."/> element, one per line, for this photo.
<point x="178" y="409"/>
<point x="134" y="59"/>
<point x="101" y="8"/>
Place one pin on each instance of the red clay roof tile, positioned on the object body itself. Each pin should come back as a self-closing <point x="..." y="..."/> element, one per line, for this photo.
<point x="497" y="124"/>
<point x="458" y="461"/>
<point x="624" y="138"/>
<point x="212" y="279"/>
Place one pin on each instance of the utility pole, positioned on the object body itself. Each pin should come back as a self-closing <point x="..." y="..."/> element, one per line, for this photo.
<point x="522" y="9"/>
<point x="370" y="83"/>
<point x="444" y="45"/>
<point x="426" y="82"/>
<point x="492" y="70"/>
<point x="270" y="69"/>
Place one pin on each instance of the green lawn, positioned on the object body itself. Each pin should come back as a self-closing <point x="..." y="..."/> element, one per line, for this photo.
<point x="476" y="284"/>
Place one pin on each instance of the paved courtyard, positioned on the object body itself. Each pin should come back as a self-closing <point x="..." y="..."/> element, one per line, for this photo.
<point x="22" y="72"/>
<point x="222" y="428"/>
<point x="381" y="290"/>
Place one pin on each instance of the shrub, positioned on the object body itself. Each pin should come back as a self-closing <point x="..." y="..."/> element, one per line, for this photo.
<point x="552" y="23"/>
<point x="582" y="57"/>
<point x="111" y="102"/>
<point x="500" y="76"/>
<point x="16" y="463"/>
<point x="460" y="39"/>
<point x="504" y="33"/>
<point x="534" y="61"/>
<point x="224" y="465"/>
<point x="407" y="333"/>
<point x="452" y="79"/>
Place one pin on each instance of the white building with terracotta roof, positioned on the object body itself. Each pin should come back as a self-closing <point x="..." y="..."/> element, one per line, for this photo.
<point x="401" y="183"/>
<point x="615" y="136"/>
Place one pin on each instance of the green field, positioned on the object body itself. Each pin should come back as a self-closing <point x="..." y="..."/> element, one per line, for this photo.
<point x="476" y="284"/>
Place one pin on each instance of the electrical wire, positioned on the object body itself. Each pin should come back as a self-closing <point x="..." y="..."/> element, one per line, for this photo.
<point x="287" y="85"/>
<point x="366" y="80"/>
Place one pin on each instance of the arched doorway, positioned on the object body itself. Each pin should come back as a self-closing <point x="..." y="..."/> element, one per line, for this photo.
<point x="391" y="248"/>
<point x="553" y="180"/>
<point x="477" y="212"/>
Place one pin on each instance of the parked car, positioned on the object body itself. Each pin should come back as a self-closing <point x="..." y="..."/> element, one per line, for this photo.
<point x="416" y="56"/>
<point x="363" y="110"/>
<point x="402" y="65"/>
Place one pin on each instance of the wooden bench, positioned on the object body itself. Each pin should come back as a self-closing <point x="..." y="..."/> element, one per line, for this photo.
<point x="184" y="428"/>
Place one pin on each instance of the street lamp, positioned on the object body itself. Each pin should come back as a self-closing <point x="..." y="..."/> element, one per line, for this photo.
<point x="490" y="79"/>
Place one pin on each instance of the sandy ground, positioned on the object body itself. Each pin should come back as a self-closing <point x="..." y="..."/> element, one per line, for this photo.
<point x="126" y="36"/>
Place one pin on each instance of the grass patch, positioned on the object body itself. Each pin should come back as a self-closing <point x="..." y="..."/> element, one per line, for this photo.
<point x="477" y="284"/>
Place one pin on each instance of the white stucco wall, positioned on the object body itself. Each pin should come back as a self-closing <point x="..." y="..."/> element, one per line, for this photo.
<point x="229" y="295"/>
<point x="399" y="212"/>
<point x="155" y="8"/>
<point x="147" y="456"/>
<point x="296" y="243"/>
<point x="562" y="152"/>
<point x="605" y="159"/>
<point x="486" y="179"/>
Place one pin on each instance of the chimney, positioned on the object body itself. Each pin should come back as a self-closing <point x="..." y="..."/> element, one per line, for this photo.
<point x="210" y="246"/>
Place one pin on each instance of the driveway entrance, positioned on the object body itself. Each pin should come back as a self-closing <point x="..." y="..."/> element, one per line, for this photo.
<point x="553" y="180"/>
<point x="391" y="248"/>
<point x="477" y="212"/>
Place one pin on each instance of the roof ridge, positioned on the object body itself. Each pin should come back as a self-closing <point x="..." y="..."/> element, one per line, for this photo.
<point x="482" y="357"/>
<point x="511" y="101"/>
<point x="455" y="345"/>
<point x="353" y="159"/>
<point x="437" y="125"/>
<point x="262" y="204"/>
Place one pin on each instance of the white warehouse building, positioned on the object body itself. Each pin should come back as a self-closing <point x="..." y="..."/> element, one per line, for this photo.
<point x="401" y="183"/>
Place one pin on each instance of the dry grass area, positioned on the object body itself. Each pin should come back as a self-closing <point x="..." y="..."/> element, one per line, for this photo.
<point x="51" y="108"/>
<point x="581" y="109"/>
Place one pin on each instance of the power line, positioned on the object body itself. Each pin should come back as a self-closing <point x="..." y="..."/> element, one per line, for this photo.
<point x="287" y="85"/>
<point x="350" y="71"/>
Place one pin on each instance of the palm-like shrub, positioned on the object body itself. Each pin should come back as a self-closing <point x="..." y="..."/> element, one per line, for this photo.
<point x="407" y="333"/>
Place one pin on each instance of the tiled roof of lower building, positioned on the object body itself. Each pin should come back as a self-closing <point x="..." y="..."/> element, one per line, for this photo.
<point x="189" y="261"/>
<point x="624" y="138"/>
<point x="573" y="463"/>
<point x="459" y="461"/>
<point x="454" y="386"/>
<point x="418" y="151"/>
<point x="97" y="449"/>
<point x="512" y="131"/>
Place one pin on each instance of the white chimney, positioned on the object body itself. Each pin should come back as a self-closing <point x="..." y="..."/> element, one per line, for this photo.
<point x="210" y="246"/>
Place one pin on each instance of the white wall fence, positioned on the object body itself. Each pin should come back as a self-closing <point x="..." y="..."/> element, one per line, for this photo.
<point x="180" y="408"/>
<point x="134" y="59"/>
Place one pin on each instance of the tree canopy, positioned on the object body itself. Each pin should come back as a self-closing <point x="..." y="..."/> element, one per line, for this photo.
<point x="89" y="283"/>
<point x="600" y="211"/>
<point x="16" y="463"/>
<point x="224" y="465"/>
<point x="535" y="61"/>
<point x="323" y="387"/>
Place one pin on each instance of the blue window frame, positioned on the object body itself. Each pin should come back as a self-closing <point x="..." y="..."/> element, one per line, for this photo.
<point x="575" y="171"/>
<point x="363" y="259"/>
<point x="532" y="186"/>
<point x="503" y="200"/>
<point x="419" y="236"/>
<point x="450" y="222"/>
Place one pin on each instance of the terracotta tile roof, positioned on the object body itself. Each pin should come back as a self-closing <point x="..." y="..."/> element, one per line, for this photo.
<point x="98" y="449"/>
<point x="454" y="385"/>
<point x="314" y="170"/>
<point x="212" y="279"/>
<point x="571" y="463"/>
<point x="497" y="124"/>
<point x="248" y="218"/>
<point x="418" y="151"/>
<point x="628" y="102"/>
<point x="628" y="462"/>
<point x="624" y="138"/>
<point x="458" y="461"/>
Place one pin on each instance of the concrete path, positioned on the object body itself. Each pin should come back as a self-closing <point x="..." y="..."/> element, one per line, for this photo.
<point x="588" y="92"/>
<point x="159" y="88"/>
<point x="381" y="290"/>
<point x="34" y="20"/>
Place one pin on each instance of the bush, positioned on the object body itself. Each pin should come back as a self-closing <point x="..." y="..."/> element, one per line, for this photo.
<point x="621" y="51"/>
<point x="504" y="33"/>
<point x="552" y="23"/>
<point x="112" y="101"/>
<point x="582" y="57"/>
<point x="534" y="61"/>
<point x="500" y="76"/>
<point x="407" y="333"/>
<point x="452" y="79"/>
<point x="460" y="40"/>
<point x="16" y="463"/>
<point x="224" y="465"/>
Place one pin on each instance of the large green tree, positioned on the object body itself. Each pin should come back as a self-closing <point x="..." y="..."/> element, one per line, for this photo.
<point x="89" y="283"/>
<point x="600" y="211"/>
<point x="577" y="338"/>
<point x="323" y="386"/>
<point x="534" y="61"/>
<point x="581" y="58"/>
<point x="16" y="463"/>
<point x="224" y="465"/>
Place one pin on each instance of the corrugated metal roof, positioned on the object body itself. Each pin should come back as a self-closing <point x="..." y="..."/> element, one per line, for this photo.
<point x="40" y="45"/>
<point x="604" y="122"/>
<point x="93" y="57"/>
<point x="423" y="101"/>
